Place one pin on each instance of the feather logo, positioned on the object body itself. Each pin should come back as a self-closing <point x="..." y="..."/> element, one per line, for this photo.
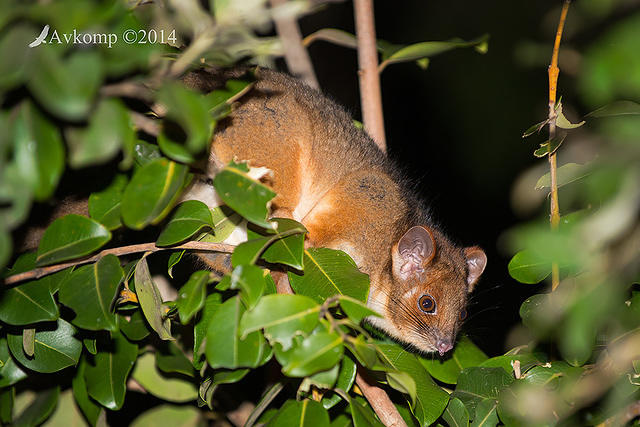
<point x="41" y="38"/>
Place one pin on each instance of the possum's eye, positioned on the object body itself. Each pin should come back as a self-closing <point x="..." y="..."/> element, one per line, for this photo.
<point x="463" y="314"/>
<point x="427" y="304"/>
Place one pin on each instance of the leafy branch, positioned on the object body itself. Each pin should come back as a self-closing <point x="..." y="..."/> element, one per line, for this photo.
<point x="553" y="72"/>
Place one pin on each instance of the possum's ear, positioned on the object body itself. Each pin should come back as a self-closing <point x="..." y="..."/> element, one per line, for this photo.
<point x="415" y="249"/>
<point x="476" y="262"/>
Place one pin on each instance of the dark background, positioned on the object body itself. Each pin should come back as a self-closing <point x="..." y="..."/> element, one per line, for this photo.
<point x="457" y="126"/>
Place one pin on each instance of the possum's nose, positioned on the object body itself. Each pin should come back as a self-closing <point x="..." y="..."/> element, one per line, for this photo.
<point x="443" y="345"/>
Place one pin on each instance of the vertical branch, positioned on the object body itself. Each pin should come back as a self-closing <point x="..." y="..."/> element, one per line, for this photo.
<point x="295" y="54"/>
<point x="373" y="120"/>
<point x="553" y="85"/>
<point x="370" y="97"/>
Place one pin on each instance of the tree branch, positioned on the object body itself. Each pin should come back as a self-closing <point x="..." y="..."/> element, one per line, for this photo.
<point x="295" y="54"/>
<point x="380" y="402"/>
<point x="123" y="250"/>
<point x="370" y="96"/>
<point x="554" y="71"/>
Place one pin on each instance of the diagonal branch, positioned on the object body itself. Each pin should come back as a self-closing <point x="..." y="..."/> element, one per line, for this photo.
<point x="295" y="54"/>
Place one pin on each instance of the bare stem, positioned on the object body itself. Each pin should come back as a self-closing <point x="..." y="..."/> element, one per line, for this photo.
<point x="123" y="250"/>
<point x="554" y="71"/>
<point x="370" y="96"/>
<point x="295" y="54"/>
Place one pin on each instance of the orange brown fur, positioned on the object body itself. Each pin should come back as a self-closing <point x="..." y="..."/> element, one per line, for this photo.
<point x="330" y="176"/>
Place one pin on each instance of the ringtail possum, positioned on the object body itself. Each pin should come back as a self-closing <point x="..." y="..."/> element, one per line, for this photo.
<point x="331" y="177"/>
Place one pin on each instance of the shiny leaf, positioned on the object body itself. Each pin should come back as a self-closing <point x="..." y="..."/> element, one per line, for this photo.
<point x="71" y="236"/>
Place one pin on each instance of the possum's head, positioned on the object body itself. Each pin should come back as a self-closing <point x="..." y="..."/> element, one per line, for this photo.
<point x="424" y="301"/>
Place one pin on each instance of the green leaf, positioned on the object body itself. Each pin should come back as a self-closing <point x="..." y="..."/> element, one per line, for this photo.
<point x="174" y="389"/>
<point x="192" y="295"/>
<point x="90" y="293"/>
<point x="39" y="409"/>
<point x="109" y="129"/>
<point x="323" y="379"/>
<point x="306" y="413"/>
<point x="428" y="49"/>
<point x="10" y="372"/>
<point x="403" y="382"/>
<point x="225" y="348"/>
<point x="318" y="352"/>
<point x="151" y="193"/>
<point x="224" y="222"/>
<point x="135" y="329"/>
<point x="190" y="111"/>
<point x="151" y="301"/>
<point x="104" y="206"/>
<point x="174" y="259"/>
<point x="535" y="128"/>
<point x="223" y="376"/>
<point x="465" y="354"/>
<point x="106" y="377"/>
<point x="506" y="361"/>
<point x="251" y="280"/>
<point x="356" y="310"/>
<point x="90" y="345"/>
<point x="456" y="414"/>
<point x="363" y="351"/>
<point x="66" y="87"/>
<point x="332" y="35"/>
<point x="486" y="415"/>
<point x="27" y="303"/>
<point x="282" y="317"/>
<point x="362" y="415"/>
<point x="243" y="194"/>
<point x="38" y="152"/>
<point x="56" y="348"/>
<point x="219" y="101"/>
<point x="189" y="218"/>
<point x="287" y="250"/>
<point x="430" y="399"/>
<point x="7" y="396"/>
<point x="345" y="380"/>
<point x="477" y="384"/>
<point x="211" y="305"/>
<point x="66" y="412"/>
<point x="550" y="146"/>
<point x="169" y="415"/>
<point x="616" y="108"/>
<point x="284" y="246"/>
<point x="526" y="267"/>
<point x="29" y="341"/>
<point x="562" y="121"/>
<point x="329" y="272"/>
<point x="12" y="45"/>
<point x="566" y="174"/>
<point x="145" y="153"/>
<point x="6" y="248"/>
<point x="89" y="407"/>
<point x="70" y="236"/>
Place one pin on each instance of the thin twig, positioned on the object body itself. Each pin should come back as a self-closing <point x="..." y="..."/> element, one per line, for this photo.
<point x="553" y="86"/>
<point x="123" y="250"/>
<point x="295" y="54"/>
<point x="370" y="96"/>
<point x="127" y="89"/>
<point x="144" y="123"/>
